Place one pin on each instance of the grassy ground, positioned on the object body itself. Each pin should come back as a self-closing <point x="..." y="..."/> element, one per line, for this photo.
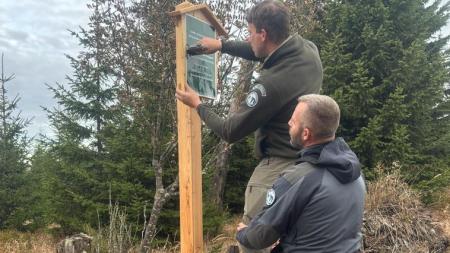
<point x="40" y="242"/>
<point x="441" y="215"/>
<point x="405" y="208"/>
<point x="17" y="242"/>
<point x="442" y="219"/>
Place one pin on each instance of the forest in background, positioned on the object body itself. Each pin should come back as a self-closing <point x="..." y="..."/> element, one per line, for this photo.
<point x="115" y="124"/>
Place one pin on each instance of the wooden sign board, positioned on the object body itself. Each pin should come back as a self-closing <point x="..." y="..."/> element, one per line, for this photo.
<point x="201" y="69"/>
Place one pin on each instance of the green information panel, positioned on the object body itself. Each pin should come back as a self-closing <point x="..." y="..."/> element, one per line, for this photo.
<point x="201" y="69"/>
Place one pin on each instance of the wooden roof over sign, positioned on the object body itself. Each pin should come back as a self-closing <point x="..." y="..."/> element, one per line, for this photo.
<point x="186" y="7"/>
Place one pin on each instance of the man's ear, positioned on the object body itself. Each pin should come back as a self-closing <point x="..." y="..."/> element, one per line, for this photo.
<point x="307" y="134"/>
<point x="263" y="34"/>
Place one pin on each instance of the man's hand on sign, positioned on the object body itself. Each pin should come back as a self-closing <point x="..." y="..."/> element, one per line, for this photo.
<point x="210" y="45"/>
<point x="188" y="96"/>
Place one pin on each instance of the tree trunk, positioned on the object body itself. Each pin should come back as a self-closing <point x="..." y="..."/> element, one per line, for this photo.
<point x="161" y="197"/>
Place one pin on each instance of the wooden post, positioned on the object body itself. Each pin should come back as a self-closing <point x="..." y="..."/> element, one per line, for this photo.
<point x="189" y="153"/>
<point x="189" y="138"/>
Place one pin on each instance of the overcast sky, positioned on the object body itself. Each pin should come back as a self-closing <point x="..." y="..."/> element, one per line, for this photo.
<point x="34" y="39"/>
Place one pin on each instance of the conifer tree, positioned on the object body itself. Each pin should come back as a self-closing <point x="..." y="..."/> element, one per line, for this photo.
<point x="115" y="125"/>
<point x="385" y="65"/>
<point x="13" y="155"/>
<point x="87" y="107"/>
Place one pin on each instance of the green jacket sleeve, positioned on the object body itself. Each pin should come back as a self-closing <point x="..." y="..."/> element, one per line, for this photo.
<point x="240" y="49"/>
<point x="260" y="105"/>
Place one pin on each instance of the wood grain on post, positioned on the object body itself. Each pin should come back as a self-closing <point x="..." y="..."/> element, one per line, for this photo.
<point x="189" y="137"/>
<point x="189" y="153"/>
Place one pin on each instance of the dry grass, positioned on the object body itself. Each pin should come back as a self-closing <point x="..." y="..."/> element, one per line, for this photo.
<point x="396" y="221"/>
<point x="17" y="242"/>
<point x="441" y="213"/>
<point x="114" y="238"/>
<point x="222" y="242"/>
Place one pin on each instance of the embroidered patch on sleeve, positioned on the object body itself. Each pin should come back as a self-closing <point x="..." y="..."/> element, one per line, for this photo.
<point x="270" y="197"/>
<point x="261" y="89"/>
<point x="252" y="99"/>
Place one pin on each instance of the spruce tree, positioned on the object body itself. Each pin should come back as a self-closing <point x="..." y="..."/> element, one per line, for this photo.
<point x="13" y="156"/>
<point x="115" y="121"/>
<point x="385" y="65"/>
<point x="86" y="105"/>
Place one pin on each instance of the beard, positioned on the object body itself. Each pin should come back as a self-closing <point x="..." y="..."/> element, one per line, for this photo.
<point x="297" y="141"/>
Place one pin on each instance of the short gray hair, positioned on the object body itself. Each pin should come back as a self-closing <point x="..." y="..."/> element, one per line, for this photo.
<point x="321" y="116"/>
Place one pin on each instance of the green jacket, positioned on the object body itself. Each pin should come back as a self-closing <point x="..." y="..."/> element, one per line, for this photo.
<point x="292" y="70"/>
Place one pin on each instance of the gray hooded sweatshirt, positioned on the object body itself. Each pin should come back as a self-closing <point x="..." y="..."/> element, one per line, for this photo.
<point x="315" y="206"/>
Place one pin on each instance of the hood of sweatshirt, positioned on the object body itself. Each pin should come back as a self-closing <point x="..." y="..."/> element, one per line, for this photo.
<point x="334" y="156"/>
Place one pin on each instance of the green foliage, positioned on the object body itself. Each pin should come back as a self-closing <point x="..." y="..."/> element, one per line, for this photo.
<point x="40" y="208"/>
<point x="385" y="66"/>
<point x="242" y="163"/>
<point x="13" y="158"/>
<point x="169" y="223"/>
<point x="431" y="179"/>
<point x="81" y="182"/>
<point x="100" y="151"/>
<point x="115" y="122"/>
<point x="213" y="220"/>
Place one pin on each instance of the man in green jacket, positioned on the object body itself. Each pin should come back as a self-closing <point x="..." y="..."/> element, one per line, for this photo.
<point x="290" y="68"/>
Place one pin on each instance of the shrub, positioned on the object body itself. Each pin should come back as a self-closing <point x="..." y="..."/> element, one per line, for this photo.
<point x="396" y="221"/>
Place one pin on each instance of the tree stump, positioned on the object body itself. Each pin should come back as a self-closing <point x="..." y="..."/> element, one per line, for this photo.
<point x="79" y="243"/>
